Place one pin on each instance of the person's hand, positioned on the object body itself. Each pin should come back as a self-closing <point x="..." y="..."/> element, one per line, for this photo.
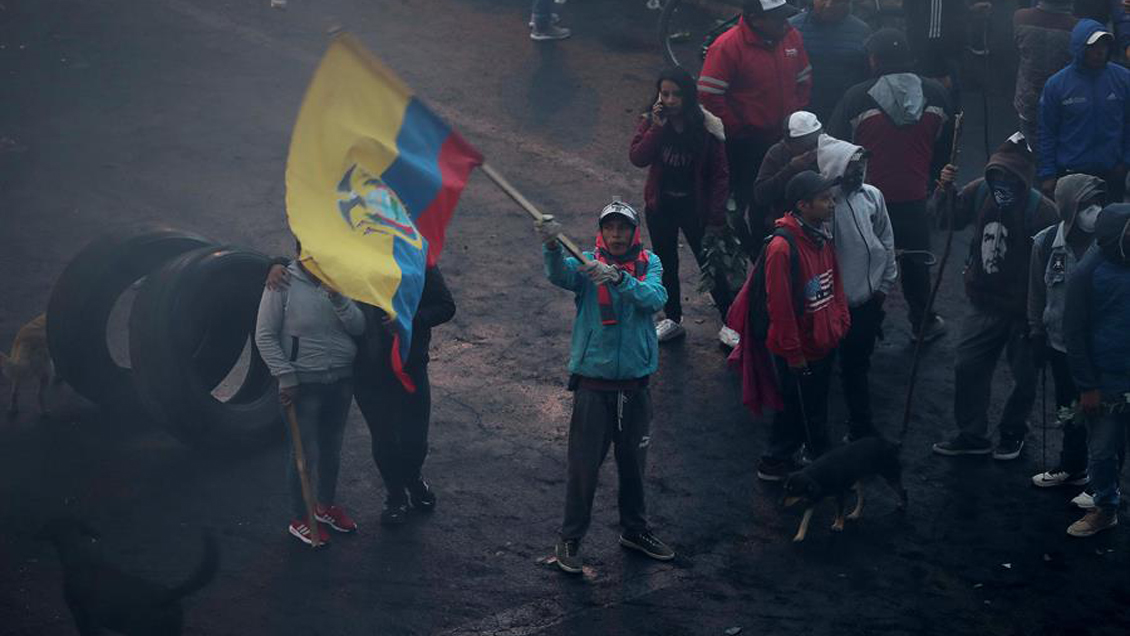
<point x="288" y="395"/>
<point x="1047" y="186"/>
<point x="548" y="229"/>
<point x="947" y="177"/>
<point x="278" y="278"/>
<point x="1091" y="401"/>
<point x="802" y="161"/>
<point x="1039" y="345"/>
<point x="658" y="114"/>
<point x="602" y="273"/>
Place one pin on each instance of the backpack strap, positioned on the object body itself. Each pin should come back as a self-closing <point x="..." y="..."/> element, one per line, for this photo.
<point x="1046" y="244"/>
<point x="794" y="268"/>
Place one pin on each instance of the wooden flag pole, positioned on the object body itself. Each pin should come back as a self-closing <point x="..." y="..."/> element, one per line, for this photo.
<point x="525" y="204"/>
<point x="303" y="477"/>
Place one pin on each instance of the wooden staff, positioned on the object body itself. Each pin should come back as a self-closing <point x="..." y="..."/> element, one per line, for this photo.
<point x="303" y="476"/>
<point x="525" y="204"/>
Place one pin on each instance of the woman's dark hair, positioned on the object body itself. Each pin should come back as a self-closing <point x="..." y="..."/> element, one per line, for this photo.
<point x="693" y="118"/>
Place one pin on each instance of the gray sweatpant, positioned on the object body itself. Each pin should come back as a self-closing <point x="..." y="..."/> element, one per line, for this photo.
<point x="600" y="419"/>
<point x="984" y="335"/>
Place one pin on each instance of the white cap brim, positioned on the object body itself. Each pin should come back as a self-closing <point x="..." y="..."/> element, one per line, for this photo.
<point x="1097" y="35"/>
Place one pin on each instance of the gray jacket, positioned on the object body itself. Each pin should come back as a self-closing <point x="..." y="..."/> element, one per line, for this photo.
<point x="861" y="228"/>
<point x="305" y="333"/>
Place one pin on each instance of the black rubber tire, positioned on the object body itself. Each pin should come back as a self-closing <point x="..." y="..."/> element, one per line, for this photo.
<point x="203" y="301"/>
<point x="81" y="302"/>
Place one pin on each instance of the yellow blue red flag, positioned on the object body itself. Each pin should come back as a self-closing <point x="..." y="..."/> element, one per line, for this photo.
<point x="372" y="179"/>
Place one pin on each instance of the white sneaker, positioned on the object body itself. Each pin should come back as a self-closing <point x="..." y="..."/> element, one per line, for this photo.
<point x="1084" y="500"/>
<point x="668" y="329"/>
<point x="1057" y="477"/>
<point x="728" y="337"/>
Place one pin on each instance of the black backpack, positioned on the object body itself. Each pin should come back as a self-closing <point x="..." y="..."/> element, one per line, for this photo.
<point x="758" y="296"/>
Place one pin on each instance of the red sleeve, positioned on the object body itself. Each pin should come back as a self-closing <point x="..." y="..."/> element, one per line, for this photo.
<point x="645" y="145"/>
<point x="714" y="82"/>
<point x="804" y="75"/>
<point x="784" y="335"/>
<point x="719" y="181"/>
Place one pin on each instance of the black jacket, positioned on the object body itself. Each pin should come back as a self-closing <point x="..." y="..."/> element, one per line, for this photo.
<point x="436" y="307"/>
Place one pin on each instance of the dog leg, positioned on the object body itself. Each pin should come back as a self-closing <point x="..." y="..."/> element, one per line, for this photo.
<point x="802" y="531"/>
<point x="858" y="512"/>
<point x="838" y="521"/>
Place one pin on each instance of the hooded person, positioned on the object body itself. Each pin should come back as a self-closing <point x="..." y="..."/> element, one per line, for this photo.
<point x="1056" y="253"/>
<point x="1005" y="212"/>
<point x="865" y="251"/>
<point x="1096" y="330"/>
<point x="614" y="352"/>
<point x="1083" y="114"/>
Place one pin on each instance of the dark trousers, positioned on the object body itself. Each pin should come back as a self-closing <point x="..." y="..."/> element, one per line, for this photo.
<point x="912" y="232"/>
<point x="984" y="335"/>
<point x="674" y="214"/>
<point x="744" y="157"/>
<point x="1073" y="456"/>
<point x="601" y="419"/>
<point x="855" y="365"/>
<point x="322" y="411"/>
<point x="398" y="423"/>
<point x="804" y="419"/>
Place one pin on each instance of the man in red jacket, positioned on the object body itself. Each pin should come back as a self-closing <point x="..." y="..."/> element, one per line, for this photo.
<point x="804" y="328"/>
<point x="755" y="75"/>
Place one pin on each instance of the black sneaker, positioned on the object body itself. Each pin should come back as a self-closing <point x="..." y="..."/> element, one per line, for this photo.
<point x="421" y="497"/>
<point x="1008" y="448"/>
<point x="395" y="512"/>
<point x="776" y="469"/>
<point x="961" y="446"/>
<point x="647" y="543"/>
<point x="551" y="32"/>
<point x="568" y="555"/>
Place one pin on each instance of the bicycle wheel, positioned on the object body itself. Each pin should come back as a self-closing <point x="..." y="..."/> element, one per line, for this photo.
<point x="688" y="27"/>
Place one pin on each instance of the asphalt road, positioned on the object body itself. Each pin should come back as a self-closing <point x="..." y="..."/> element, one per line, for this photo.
<point x="115" y="114"/>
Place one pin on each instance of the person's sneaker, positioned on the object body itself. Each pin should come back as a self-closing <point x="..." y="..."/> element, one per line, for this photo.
<point x="1059" y="477"/>
<point x="300" y="530"/>
<point x="568" y="556"/>
<point x="647" y="543"/>
<point x="961" y="446"/>
<point x="1095" y="521"/>
<point x="728" y="337"/>
<point x="554" y="18"/>
<point x="668" y="329"/>
<point x="551" y="32"/>
<point x="933" y="330"/>
<point x="1084" y="500"/>
<point x="776" y="469"/>
<point x="421" y="497"/>
<point x="336" y="518"/>
<point x="395" y="513"/>
<point x="1008" y="448"/>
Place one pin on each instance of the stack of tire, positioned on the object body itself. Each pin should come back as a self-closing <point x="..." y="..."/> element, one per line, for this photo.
<point x="192" y="318"/>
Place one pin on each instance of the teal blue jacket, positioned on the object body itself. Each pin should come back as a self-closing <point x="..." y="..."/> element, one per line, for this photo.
<point x="627" y="350"/>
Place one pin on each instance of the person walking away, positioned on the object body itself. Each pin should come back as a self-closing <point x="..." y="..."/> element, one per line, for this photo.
<point x="683" y="147"/>
<point x="834" y="40"/>
<point x="865" y="253"/>
<point x="614" y="351"/>
<point x="901" y="118"/>
<point x="1096" y="329"/>
<point x="1006" y="211"/>
<point x="544" y="22"/>
<point x="754" y="75"/>
<point x="1043" y="42"/>
<point x="785" y="159"/>
<point x="1056" y="252"/>
<point x="805" y="325"/>
<point x="305" y="336"/>
<point x="1084" y="123"/>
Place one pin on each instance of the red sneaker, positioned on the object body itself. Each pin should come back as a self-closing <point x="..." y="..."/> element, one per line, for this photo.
<point x="301" y="531"/>
<point x="336" y="518"/>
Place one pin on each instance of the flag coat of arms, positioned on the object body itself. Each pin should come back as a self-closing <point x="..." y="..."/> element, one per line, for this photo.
<point x="372" y="179"/>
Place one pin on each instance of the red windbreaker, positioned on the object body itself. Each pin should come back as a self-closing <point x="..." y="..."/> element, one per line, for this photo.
<point x="825" y="319"/>
<point x="752" y="84"/>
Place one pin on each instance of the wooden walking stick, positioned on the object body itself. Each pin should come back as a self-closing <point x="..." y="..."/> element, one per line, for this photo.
<point x="303" y="476"/>
<point x="525" y="204"/>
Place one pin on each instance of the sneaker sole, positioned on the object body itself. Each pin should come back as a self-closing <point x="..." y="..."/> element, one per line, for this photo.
<point x="568" y="569"/>
<point x="769" y="477"/>
<point x="1005" y="457"/>
<point x="1083" y="481"/>
<point x="956" y="453"/>
<point x="329" y="522"/>
<point x="639" y="548"/>
<point x="1082" y="535"/>
<point x="294" y="533"/>
<point x="548" y="38"/>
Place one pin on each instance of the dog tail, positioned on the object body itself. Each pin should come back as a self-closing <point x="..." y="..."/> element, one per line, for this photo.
<point x="205" y="571"/>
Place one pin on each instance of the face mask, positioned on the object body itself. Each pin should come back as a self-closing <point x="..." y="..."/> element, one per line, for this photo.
<point x="1085" y="219"/>
<point x="1004" y="193"/>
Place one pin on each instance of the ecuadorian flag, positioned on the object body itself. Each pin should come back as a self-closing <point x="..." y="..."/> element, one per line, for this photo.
<point x="372" y="179"/>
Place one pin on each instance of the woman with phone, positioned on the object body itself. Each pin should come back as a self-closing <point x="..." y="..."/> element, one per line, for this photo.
<point x="683" y="146"/>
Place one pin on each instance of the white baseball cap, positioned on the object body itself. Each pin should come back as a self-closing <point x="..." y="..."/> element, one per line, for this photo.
<point x="803" y="123"/>
<point x="771" y="7"/>
<point x="623" y="209"/>
<point x="1097" y="35"/>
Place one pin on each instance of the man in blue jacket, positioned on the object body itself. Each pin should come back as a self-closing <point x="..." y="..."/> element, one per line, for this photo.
<point x="1096" y="328"/>
<point x="1085" y="115"/>
<point x="614" y="351"/>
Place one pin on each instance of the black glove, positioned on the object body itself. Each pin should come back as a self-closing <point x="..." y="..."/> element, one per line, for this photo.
<point x="1039" y="345"/>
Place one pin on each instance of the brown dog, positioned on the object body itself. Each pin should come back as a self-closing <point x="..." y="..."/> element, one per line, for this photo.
<point x="30" y="360"/>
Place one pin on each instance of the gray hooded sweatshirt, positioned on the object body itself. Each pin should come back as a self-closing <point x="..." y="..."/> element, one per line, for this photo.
<point x="861" y="229"/>
<point x="1050" y="270"/>
<point x="305" y="333"/>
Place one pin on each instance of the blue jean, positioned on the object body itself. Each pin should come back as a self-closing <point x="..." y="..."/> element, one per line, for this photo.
<point x="1107" y="444"/>
<point x="541" y="12"/>
<point x="322" y="410"/>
